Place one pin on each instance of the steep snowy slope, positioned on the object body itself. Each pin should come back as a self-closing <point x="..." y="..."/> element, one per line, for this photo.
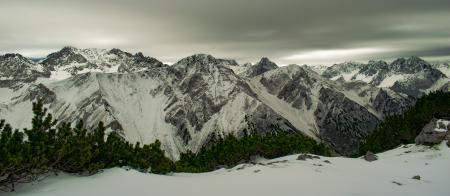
<point x="184" y="106"/>
<point x="339" y="113"/>
<point x="391" y="174"/>
<point x="444" y="68"/>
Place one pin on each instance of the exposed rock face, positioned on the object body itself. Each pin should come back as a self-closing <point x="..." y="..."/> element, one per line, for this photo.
<point x="337" y="69"/>
<point x="343" y="123"/>
<point x="387" y="105"/>
<point x="414" y="87"/>
<point x="64" y="57"/>
<point x="411" y="65"/>
<point x="39" y="92"/>
<point x="16" y="69"/>
<point x="340" y="113"/>
<point x="196" y="78"/>
<point x="203" y="60"/>
<point x="373" y="67"/>
<point x="261" y="67"/>
<point x="138" y="62"/>
<point x="430" y="135"/>
<point x="294" y="87"/>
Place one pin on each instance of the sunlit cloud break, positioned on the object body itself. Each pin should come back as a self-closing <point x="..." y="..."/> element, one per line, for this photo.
<point x="334" y="54"/>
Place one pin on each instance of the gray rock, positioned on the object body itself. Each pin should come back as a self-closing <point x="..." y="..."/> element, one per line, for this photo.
<point x="16" y="69"/>
<point x="448" y="138"/>
<point x="343" y="123"/>
<point x="370" y="156"/>
<point x="221" y="167"/>
<point x="389" y="105"/>
<point x="428" y="135"/>
<point x="303" y="157"/>
<point x="416" y="177"/>
<point x="414" y="87"/>
<point x="337" y="69"/>
<point x="441" y="125"/>
<point x="261" y="67"/>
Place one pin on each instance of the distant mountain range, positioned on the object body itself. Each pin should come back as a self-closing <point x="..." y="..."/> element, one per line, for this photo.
<point x="188" y="104"/>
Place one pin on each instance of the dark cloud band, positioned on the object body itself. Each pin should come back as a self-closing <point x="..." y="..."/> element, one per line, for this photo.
<point x="244" y="30"/>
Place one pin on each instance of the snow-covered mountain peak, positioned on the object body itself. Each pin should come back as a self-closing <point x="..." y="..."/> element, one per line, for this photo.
<point x="205" y="59"/>
<point x="342" y="69"/>
<point x="70" y="61"/>
<point x="412" y="76"/>
<point x="411" y="65"/>
<point x="378" y="63"/>
<point x="15" y="57"/>
<point x="292" y="69"/>
<point x="265" y="62"/>
<point x="373" y="67"/>
<point x="66" y="56"/>
<point x="317" y="68"/>
<point x="15" y="68"/>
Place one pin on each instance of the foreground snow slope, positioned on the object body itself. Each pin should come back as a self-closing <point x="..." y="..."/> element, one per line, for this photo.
<point x="283" y="176"/>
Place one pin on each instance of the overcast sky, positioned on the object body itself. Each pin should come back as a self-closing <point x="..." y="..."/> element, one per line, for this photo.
<point x="286" y="31"/>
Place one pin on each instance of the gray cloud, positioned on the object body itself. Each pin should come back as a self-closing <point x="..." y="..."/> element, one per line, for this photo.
<point x="240" y="29"/>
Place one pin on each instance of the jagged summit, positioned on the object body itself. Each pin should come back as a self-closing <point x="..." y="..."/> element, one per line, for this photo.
<point x="66" y="56"/>
<point x="73" y="60"/>
<point x="267" y="63"/>
<point x="335" y="70"/>
<point x="197" y="59"/>
<point x="373" y="67"/>
<point x="15" y="68"/>
<point x="410" y="65"/>
<point x="12" y="55"/>
<point x="261" y="67"/>
<point x="412" y="76"/>
<point x="205" y="59"/>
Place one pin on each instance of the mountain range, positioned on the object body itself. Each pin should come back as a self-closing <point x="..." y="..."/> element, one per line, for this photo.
<point x="201" y="98"/>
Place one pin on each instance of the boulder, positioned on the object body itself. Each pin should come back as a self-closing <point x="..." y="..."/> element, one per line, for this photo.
<point x="442" y="125"/>
<point x="370" y="156"/>
<point x="416" y="177"/>
<point x="448" y="138"/>
<point x="303" y="157"/>
<point x="429" y="135"/>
